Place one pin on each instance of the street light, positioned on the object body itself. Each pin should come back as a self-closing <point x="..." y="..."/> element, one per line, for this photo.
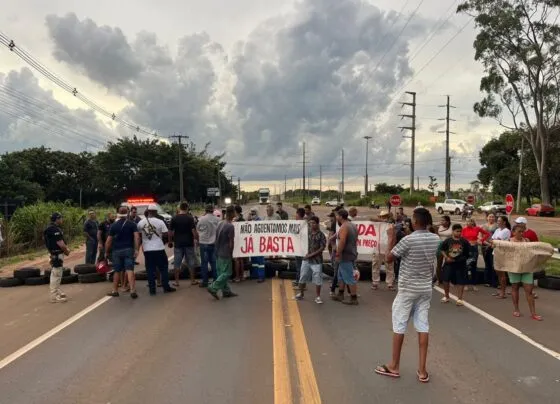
<point x="367" y="138"/>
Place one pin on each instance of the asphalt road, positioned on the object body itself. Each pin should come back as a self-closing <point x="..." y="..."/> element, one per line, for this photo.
<point x="264" y="347"/>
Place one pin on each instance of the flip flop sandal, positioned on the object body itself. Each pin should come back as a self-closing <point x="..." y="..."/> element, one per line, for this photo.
<point x="516" y="314"/>
<point x="385" y="371"/>
<point x="536" y="317"/>
<point x="424" y="379"/>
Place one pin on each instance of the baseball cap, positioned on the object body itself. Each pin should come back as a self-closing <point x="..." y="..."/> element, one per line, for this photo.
<point x="383" y="213"/>
<point x="55" y="216"/>
<point x="521" y="220"/>
<point x="152" y="207"/>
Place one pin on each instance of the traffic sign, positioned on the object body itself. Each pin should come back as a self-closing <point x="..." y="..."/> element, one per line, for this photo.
<point x="395" y="200"/>
<point x="470" y="199"/>
<point x="509" y="203"/>
<point x="213" y="191"/>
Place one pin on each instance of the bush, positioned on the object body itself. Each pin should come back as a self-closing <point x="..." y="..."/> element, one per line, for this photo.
<point x="29" y="222"/>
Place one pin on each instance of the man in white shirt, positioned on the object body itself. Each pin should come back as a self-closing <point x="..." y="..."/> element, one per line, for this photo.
<point x="206" y="229"/>
<point x="153" y="231"/>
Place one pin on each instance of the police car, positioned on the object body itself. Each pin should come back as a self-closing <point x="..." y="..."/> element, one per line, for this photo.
<point x="141" y="204"/>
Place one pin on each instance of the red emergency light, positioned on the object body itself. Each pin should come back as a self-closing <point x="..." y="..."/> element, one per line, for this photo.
<point x="140" y="200"/>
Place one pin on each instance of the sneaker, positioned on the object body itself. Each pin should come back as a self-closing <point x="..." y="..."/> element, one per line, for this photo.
<point x="338" y="298"/>
<point x="351" y="302"/>
<point x="63" y="295"/>
<point x="374" y="287"/>
<point x="113" y="294"/>
<point x="230" y="294"/>
<point x="460" y="303"/>
<point x="444" y="300"/>
<point x="134" y="295"/>
<point x="213" y="293"/>
<point x="318" y="300"/>
<point x="58" y="299"/>
<point x="299" y="296"/>
<point x="169" y="290"/>
<point x="475" y="289"/>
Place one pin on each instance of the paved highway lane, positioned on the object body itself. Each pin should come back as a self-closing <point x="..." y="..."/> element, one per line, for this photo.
<point x="263" y="347"/>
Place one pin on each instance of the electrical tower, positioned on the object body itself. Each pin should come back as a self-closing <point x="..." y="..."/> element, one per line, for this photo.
<point x="447" y="120"/>
<point x="412" y="136"/>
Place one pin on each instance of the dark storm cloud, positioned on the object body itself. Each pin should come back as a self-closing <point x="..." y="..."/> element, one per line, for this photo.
<point x="102" y="52"/>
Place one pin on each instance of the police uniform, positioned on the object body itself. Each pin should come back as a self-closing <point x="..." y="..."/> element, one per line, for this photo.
<point x="53" y="234"/>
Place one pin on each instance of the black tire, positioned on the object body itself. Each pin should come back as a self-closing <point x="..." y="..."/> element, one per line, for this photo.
<point x="277" y="266"/>
<point x="91" y="278"/>
<point x="539" y="275"/>
<point x="65" y="272"/>
<point x="84" y="269"/>
<point x="440" y="211"/>
<point x="269" y="272"/>
<point x="328" y="270"/>
<point x="69" y="279"/>
<point x="141" y="276"/>
<point x="287" y="275"/>
<point x="24" y="273"/>
<point x="457" y="211"/>
<point x="40" y="280"/>
<point x="549" y="282"/>
<point x="10" y="282"/>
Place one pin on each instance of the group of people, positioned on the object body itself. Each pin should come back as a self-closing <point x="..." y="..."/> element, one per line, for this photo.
<point x="459" y="252"/>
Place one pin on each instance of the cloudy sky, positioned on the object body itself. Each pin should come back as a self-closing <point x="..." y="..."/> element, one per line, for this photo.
<point x="255" y="78"/>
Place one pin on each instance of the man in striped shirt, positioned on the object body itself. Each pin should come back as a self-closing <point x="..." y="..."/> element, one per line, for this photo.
<point x="417" y="253"/>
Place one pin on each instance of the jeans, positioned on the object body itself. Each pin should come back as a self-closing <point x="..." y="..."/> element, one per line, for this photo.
<point x="472" y="263"/>
<point x="157" y="260"/>
<point x="91" y="251"/>
<point x="207" y="256"/>
<point x="490" y="276"/>
<point x="123" y="260"/>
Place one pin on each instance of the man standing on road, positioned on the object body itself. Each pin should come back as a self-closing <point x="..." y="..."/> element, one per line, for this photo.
<point x="281" y="212"/>
<point x="270" y="215"/>
<point x="206" y="230"/>
<point x="225" y="234"/>
<point x="378" y="259"/>
<point x="312" y="264"/>
<point x="417" y="252"/>
<point x="352" y="213"/>
<point x="346" y="255"/>
<point x="308" y="212"/>
<point x="54" y="240"/>
<point x="183" y="233"/>
<point x="153" y="231"/>
<point x="91" y="226"/>
<point x="239" y="262"/>
<point x="133" y="216"/>
<point x="103" y="232"/>
<point x="123" y="244"/>
<point x="257" y="263"/>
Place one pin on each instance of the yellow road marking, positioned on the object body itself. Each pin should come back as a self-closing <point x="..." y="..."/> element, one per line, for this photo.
<point x="307" y="380"/>
<point x="282" y="384"/>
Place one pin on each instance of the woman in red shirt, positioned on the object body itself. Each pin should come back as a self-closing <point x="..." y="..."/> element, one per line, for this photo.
<point x="474" y="235"/>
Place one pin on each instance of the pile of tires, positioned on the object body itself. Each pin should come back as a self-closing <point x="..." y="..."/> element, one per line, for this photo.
<point x="365" y="271"/>
<point x="87" y="273"/>
<point x="282" y="268"/>
<point x="24" y="276"/>
<point x="549" y="282"/>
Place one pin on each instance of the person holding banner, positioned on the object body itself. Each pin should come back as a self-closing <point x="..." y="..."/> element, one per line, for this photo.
<point x="312" y="264"/>
<point x="346" y="255"/>
<point x="225" y="234"/>
<point x="300" y="215"/>
<point x="257" y="263"/>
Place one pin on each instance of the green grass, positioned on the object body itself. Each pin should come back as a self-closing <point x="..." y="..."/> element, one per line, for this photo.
<point x="32" y="255"/>
<point x="553" y="267"/>
<point x="555" y="241"/>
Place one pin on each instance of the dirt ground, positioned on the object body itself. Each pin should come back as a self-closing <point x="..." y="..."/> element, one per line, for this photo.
<point x="544" y="226"/>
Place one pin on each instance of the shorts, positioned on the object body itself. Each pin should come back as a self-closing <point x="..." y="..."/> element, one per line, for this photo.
<point x="415" y="305"/>
<point x="346" y="272"/>
<point x="186" y="253"/>
<point x="525" y="278"/>
<point x="455" y="275"/>
<point x="311" y="272"/>
<point x="123" y="260"/>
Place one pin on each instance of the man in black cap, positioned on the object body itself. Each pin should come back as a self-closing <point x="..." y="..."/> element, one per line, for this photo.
<point x="54" y="241"/>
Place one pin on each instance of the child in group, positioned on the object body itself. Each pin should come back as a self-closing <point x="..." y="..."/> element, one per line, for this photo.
<point x="455" y="253"/>
<point x="525" y="279"/>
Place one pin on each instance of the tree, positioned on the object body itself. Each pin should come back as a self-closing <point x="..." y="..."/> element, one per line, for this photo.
<point x="518" y="44"/>
<point x="384" y="188"/>
<point x="433" y="184"/>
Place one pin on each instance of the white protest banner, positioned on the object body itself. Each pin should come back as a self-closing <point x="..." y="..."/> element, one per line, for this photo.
<point x="264" y="238"/>
<point x="372" y="237"/>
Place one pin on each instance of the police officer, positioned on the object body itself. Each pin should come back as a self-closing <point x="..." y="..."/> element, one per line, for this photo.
<point x="54" y="240"/>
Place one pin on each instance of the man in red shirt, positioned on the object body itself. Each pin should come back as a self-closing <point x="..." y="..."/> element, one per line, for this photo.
<point x="529" y="234"/>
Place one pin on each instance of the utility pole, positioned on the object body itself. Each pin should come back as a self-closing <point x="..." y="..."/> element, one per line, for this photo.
<point x="418" y="183"/>
<point x="447" y="119"/>
<point x="303" y="193"/>
<point x="285" y="186"/>
<point x="238" y="188"/>
<point x="181" y="184"/>
<point x="320" y="182"/>
<point x="219" y="186"/>
<point x="342" y="183"/>
<point x="520" y="179"/>
<point x="412" y="136"/>
<point x="367" y="138"/>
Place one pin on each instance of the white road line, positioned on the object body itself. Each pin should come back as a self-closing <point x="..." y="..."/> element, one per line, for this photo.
<point x="505" y="326"/>
<point x="38" y="341"/>
<point x="22" y="351"/>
